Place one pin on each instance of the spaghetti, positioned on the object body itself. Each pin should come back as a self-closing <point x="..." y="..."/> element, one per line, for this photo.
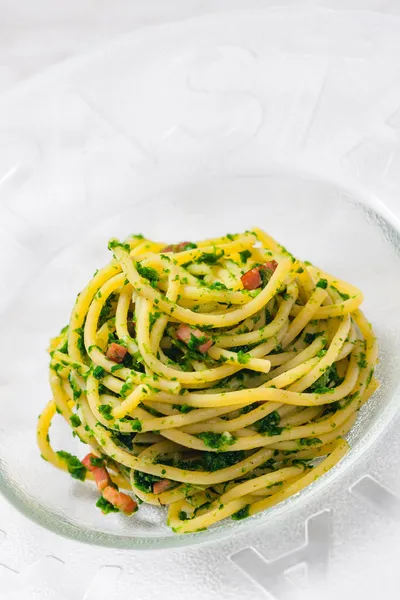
<point x="215" y="378"/>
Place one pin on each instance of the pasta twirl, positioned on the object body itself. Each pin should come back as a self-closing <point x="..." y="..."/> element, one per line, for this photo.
<point x="216" y="378"/>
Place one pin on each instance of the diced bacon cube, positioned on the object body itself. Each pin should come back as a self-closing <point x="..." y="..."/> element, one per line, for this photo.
<point x="100" y="473"/>
<point x="181" y="247"/>
<point x="254" y="278"/>
<point x="270" y="265"/>
<point x="87" y="461"/>
<point x="184" y="333"/>
<point x="205" y="347"/>
<point x="101" y="477"/>
<point x="116" y="352"/>
<point x="162" y="486"/>
<point x="122" y="501"/>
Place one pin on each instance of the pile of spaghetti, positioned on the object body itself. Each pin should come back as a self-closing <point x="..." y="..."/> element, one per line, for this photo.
<point x="216" y="378"/>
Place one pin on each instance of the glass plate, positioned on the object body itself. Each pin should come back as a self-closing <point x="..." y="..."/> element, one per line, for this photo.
<point x="178" y="136"/>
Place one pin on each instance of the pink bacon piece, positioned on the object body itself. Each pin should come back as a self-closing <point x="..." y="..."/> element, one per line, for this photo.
<point x="185" y="332"/>
<point x="176" y="247"/>
<point x="252" y="279"/>
<point x="122" y="501"/>
<point x="116" y="352"/>
<point x="105" y="485"/>
<point x="271" y="265"/>
<point x="162" y="486"/>
<point x="100" y="474"/>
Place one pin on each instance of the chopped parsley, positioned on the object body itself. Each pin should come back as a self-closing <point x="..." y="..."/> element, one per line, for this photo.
<point x="322" y="283"/>
<point x="341" y="294"/>
<point x="144" y="481"/>
<point x="64" y="348"/>
<point x="112" y="244"/>
<point x="153" y="318"/>
<point x="268" y="425"/>
<point x="80" y="341"/>
<point x="248" y="408"/>
<point x="214" y="461"/>
<point x="278" y="483"/>
<point x="183" y="408"/>
<point x="323" y="389"/>
<point x="148" y="273"/>
<point x="369" y="378"/>
<point x="75" y="421"/>
<point x="136" y="424"/>
<point x="217" y="285"/>
<point x="92" y="348"/>
<point x="195" y="342"/>
<point x="210" y="258"/>
<point x="76" y="390"/>
<point x="98" y="372"/>
<point x="216" y="440"/>
<point x="310" y="337"/>
<point x="362" y="362"/>
<point x="244" y="255"/>
<point x="244" y="349"/>
<point x="265" y="275"/>
<point x="126" y="388"/>
<point x="106" y="310"/>
<point x="105" y="411"/>
<point x="243" y="513"/>
<point x="312" y="441"/>
<point x="75" y="468"/>
<point x="268" y="464"/>
<point x="243" y="357"/>
<point x="105" y="506"/>
<point x="96" y="462"/>
<point x="326" y="382"/>
<point x="346" y="401"/>
<point x="277" y="350"/>
<point x="104" y="390"/>
<point x="185" y="465"/>
<point x="124" y="439"/>
<point x="187" y="246"/>
<point x="153" y="411"/>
